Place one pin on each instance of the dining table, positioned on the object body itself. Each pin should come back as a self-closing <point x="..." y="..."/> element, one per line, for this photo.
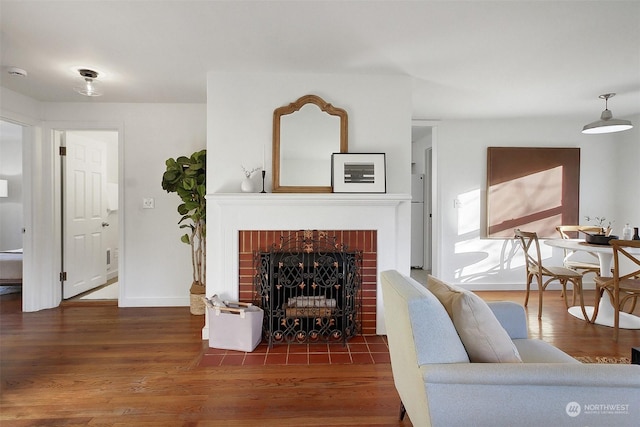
<point x="606" y="312"/>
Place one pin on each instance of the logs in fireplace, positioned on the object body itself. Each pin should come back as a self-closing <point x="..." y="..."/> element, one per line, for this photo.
<point x="309" y="289"/>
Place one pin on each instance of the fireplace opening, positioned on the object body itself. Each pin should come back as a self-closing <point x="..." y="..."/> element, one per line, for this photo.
<point x="364" y="241"/>
<point x="309" y="286"/>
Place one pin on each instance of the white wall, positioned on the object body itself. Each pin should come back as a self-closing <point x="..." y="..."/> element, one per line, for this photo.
<point x="240" y="120"/>
<point x="460" y="155"/>
<point x="627" y="181"/>
<point x="157" y="269"/>
<point x="18" y="108"/>
<point x="239" y="129"/>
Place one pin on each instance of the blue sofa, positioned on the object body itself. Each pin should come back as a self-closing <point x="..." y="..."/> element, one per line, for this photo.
<point x="439" y="385"/>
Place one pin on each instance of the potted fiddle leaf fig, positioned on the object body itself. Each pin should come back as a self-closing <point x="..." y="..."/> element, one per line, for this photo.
<point x="187" y="176"/>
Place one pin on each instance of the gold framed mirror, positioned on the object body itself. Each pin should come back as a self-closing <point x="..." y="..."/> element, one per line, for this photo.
<point x="305" y="135"/>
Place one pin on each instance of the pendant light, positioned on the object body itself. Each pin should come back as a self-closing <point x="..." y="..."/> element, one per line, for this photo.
<point x="607" y="124"/>
<point x="90" y="88"/>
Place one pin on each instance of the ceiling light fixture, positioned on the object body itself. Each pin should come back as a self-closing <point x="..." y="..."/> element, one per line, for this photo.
<point x="607" y="124"/>
<point x="89" y="88"/>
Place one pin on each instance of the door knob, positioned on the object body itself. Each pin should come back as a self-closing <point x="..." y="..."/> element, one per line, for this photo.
<point x="105" y="224"/>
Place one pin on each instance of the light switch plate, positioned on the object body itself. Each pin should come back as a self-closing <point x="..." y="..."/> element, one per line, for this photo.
<point x="148" y="203"/>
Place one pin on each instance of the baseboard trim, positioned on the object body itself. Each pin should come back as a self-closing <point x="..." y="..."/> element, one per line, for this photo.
<point x="155" y="302"/>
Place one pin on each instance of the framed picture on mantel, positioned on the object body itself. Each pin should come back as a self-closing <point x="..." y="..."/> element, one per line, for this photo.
<point x="358" y="173"/>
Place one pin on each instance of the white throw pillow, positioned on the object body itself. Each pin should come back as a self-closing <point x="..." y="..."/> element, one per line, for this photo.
<point x="481" y="333"/>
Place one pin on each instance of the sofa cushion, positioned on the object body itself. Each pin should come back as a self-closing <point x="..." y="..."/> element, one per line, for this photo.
<point x="538" y="351"/>
<point x="480" y="331"/>
<point x="416" y="322"/>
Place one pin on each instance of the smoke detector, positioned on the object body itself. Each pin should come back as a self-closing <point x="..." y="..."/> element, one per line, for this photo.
<point x="15" y="71"/>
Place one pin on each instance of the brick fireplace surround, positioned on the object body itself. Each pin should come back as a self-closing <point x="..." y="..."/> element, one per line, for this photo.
<point x="363" y="240"/>
<point x="385" y="216"/>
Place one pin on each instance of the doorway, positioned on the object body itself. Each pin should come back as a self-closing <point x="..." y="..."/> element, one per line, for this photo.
<point x="422" y="206"/>
<point x="11" y="208"/>
<point x="90" y="213"/>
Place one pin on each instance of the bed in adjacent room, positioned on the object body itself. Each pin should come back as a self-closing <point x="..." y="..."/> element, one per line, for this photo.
<point x="11" y="267"/>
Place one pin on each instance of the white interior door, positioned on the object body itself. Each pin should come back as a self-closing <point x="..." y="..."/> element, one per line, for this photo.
<point x="84" y="213"/>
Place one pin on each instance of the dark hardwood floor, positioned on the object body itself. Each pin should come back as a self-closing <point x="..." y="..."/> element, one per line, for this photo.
<point x="94" y="364"/>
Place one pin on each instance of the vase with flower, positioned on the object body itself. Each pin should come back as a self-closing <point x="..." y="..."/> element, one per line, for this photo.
<point x="604" y="236"/>
<point x="246" y="186"/>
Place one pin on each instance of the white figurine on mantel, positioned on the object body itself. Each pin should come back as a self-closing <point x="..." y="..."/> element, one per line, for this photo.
<point x="246" y="186"/>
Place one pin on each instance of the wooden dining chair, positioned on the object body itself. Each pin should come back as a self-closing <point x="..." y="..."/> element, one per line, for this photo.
<point x="622" y="287"/>
<point x="547" y="274"/>
<point x="573" y="232"/>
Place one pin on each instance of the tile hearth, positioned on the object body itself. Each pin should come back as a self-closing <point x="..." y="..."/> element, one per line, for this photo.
<point x="360" y="350"/>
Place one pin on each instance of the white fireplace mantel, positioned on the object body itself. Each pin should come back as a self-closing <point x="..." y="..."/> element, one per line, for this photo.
<point x="335" y="199"/>
<point x="228" y="213"/>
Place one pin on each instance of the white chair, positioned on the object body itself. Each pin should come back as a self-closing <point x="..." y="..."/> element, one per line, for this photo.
<point x="572" y="232"/>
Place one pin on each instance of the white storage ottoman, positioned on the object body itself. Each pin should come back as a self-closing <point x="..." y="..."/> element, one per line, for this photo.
<point x="235" y="328"/>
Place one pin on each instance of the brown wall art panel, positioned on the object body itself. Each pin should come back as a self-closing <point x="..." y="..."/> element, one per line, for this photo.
<point x="534" y="189"/>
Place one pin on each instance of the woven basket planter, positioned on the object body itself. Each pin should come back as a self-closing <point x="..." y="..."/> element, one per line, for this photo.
<point x="196" y="294"/>
<point x="197" y="306"/>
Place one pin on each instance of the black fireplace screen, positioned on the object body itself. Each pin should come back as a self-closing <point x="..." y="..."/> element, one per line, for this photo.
<point x="309" y="289"/>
